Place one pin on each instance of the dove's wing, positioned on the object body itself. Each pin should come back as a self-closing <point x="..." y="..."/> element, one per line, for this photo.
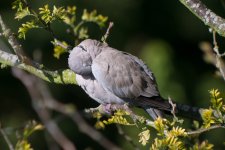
<point x="123" y="74"/>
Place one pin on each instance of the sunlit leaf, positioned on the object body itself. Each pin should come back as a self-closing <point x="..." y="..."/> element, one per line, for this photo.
<point x="144" y="136"/>
<point x="26" y="27"/>
<point x="23" y="13"/>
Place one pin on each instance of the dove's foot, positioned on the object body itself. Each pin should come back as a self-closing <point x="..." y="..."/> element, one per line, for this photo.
<point x="102" y="108"/>
<point x="108" y="108"/>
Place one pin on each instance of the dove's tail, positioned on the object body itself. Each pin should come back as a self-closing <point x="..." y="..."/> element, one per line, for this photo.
<point x="154" y="113"/>
<point x="157" y="106"/>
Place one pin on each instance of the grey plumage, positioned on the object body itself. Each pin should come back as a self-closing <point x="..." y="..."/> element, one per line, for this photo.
<point x="111" y="76"/>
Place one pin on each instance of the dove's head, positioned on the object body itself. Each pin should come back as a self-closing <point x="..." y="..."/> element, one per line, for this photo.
<point x="81" y="57"/>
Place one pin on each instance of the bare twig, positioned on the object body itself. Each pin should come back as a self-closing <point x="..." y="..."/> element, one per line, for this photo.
<point x="6" y="138"/>
<point x="213" y="57"/>
<point x="206" y="15"/>
<point x="219" y="62"/>
<point x="201" y="130"/>
<point x="216" y="47"/>
<point x="104" y="38"/>
<point x="173" y="110"/>
<point x="69" y="111"/>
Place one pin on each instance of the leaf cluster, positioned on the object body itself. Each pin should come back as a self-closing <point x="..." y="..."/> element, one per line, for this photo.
<point x="118" y="117"/>
<point x="215" y="114"/>
<point x="45" y="16"/>
<point x="23" y="142"/>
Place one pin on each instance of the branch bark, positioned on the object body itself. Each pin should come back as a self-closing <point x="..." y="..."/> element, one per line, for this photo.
<point x="60" y="76"/>
<point x="206" y="15"/>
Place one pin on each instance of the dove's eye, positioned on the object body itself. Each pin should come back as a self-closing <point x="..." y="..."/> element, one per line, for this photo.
<point x="80" y="46"/>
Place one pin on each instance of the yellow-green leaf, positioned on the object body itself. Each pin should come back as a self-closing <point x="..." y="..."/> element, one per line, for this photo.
<point x="144" y="136"/>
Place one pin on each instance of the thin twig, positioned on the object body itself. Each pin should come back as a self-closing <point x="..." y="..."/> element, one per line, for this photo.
<point x="201" y="130"/>
<point x="212" y="55"/>
<point x="219" y="61"/>
<point x="104" y="38"/>
<point x="173" y="112"/>
<point x="216" y="47"/>
<point x="10" y="145"/>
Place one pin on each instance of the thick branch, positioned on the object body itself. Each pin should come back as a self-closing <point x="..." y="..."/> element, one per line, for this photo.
<point x="60" y="77"/>
<point x="206" y="15"/>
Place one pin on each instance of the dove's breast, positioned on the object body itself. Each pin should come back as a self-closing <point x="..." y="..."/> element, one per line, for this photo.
<point x="96" y="91"/>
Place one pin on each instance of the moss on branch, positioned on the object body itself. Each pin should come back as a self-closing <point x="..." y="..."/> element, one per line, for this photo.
<point x="60" y="76"/>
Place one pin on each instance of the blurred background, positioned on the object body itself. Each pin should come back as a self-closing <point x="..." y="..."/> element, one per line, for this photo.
<point x="164" y="34"/>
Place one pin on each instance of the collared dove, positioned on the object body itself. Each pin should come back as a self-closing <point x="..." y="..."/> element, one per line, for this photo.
<point x="110" y="76"/>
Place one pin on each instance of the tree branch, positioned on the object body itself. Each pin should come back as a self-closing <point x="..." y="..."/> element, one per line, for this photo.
<point x="60" y="76"/>
<point x="201" y="130"/>
<point x="38" y="100"/>
<point x="6" y="138"/>
<point x="104" y="38"/>
<point x="37" y="87"/>
<point x="206" y="15"/>
<point x="14" y="42"/>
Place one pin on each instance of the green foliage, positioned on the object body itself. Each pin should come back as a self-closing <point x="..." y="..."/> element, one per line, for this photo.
<point x="94" y="17"/>
<point x="48" y="16"/>
<point x="207" y="116"/>
<point x="202" y="146"/>
<point x="169" y="136"/>
<point x="59" y="50"/>
<point x="45" y="16"/>
<point x="18" y="5"/>
<point x="23" y="13"/>
<point x="2" y="66"/>
<point x="216" y="99"/>
<point x="70" y="18"/>
<point x="26" y="27"/>
<point x="144" y="136"/>
<point x="119" y="117"/>
<point x="30" y="128"/>
<point x="215" y="114"/>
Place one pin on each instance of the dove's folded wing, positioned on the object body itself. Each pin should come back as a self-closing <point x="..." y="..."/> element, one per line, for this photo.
<point x="123" y="74"/>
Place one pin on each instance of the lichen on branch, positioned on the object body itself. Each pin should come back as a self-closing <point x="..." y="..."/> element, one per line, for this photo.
<point x="206" y="15"/>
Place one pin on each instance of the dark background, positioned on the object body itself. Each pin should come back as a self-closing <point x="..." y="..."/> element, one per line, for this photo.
<point x="165" y="34"/>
